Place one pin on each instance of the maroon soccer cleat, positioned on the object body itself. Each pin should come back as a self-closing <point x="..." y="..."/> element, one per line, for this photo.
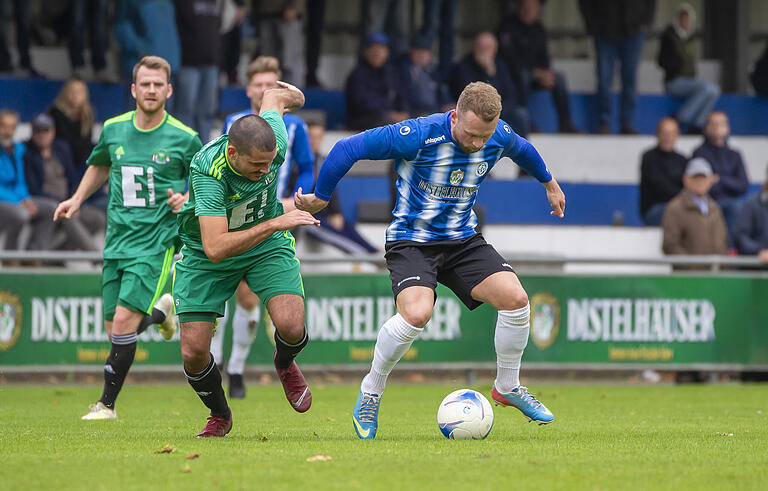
<point x="295" y="386"/>
<point x="216" y="426"/>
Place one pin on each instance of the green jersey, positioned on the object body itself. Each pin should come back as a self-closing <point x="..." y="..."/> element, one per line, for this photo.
<point x="216" y="189"/>
<point x="145" y="164"/>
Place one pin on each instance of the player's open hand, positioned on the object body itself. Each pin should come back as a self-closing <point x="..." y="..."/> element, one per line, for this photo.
<point x="556" y="198"/>
<point x="176" y="200"/>
<point x="66" y="209"/>
<point x="295" y="218"/>
<point x="308" y="202"/>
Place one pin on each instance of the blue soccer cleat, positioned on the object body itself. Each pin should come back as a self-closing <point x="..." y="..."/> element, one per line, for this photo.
<point x="523" y="400"/>
<point x="365" y="415"/>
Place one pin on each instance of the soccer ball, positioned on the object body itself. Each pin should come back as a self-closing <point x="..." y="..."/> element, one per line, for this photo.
<point x="465" y="415"/>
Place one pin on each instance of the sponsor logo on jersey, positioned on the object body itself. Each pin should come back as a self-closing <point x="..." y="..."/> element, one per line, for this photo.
<point x="161" y="157"/>
<point x="456" y="177"/>
<point x="119" y="152"/>
<point x="234" y="197"/>
<point x="10" y="320"/>
<point x="447" y="191"/>
<point x="434" y="139"/>
<point x="482" y="168"/>
<point x="404" y="130"/>
<point x="545" y="319"/>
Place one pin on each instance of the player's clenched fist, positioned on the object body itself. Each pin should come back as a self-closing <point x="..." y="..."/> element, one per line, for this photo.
<point x="66" y="209"/>
<point x="294" y="219"/>
<point x="308" y="202"/>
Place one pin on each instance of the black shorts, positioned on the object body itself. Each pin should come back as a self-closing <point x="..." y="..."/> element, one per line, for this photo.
<point x="458" y="264"/>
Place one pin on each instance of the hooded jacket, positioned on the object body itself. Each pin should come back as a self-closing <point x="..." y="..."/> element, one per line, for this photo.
<point x="676" y="52"/>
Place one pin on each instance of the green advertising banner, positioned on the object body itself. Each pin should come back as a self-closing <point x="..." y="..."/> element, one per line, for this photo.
<point x="51" y="318"/>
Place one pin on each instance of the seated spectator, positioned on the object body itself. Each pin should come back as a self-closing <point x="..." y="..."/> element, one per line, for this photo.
<point x="523" y="46"/>
<point x="483" y="65"/>
<point x="334" y="229"/>
<point x="661" y="173"/>
<point x="693" y="221"/>
<point x="51" y="176"/>
<point x="732" y="183"/>
<point x="750" y="232"/>
<point x="676" y="57"/>
<point x="759" y="76"/>
<point x="420" y="80"/>
<point x="373" y="94"/>
<point x="17" y="207"/>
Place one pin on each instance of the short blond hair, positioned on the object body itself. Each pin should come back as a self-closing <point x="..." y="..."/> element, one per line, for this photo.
<point x="264" y="64"/>
<point x="482" y="99"/>
<point x="155" y="63"/>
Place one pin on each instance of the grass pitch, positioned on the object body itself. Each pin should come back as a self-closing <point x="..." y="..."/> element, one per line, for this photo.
<point x="604" y="437"/>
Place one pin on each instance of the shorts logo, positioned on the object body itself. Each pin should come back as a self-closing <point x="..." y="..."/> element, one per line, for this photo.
<point x="407" y="279"/>
<point x="10" y="320"/>
<point x="507" y="129"/>
<point x="482" y="168"/>
<point x="456" y="177"/>
<point x="545" y="319"/>
<point x="203" y="393"/>
<point x="506" y="265"/>
<point x="404" y="130"/>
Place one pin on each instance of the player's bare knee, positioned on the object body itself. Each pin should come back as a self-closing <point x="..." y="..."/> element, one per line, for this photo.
<point x="291" y="332"/>
<point x="516" y="300"/>
<point x="417" y="315"/>
<point x="194" y="355"/>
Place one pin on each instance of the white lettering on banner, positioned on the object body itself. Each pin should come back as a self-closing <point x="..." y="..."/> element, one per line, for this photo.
<point x="359" y="318"/>
<point x="621" y="319"/>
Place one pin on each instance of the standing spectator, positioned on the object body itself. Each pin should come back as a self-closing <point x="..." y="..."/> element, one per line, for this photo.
<point x="73" y="115"/>
<point x="51" y="176"/>
<point x="439" y="20"/>
<point x="693" y="222"/>
<point x="281" y="34"/>
<point x="732" y="183"/>
<point x="21" y="14"/>
<point x="373" y="94"/>
<point x="483" y="65"/>
<point x="232" y="16"/>
<point x="759" y="76"/>
<point x="420" y="80"/>
<point x="90" y="16"/>
<point x="618" y="27"/>
<point x="751" y="228"/>
<point x="661" y="173"/>
<point x="390" y="17"/>
<point x="676" y="57"/>
<point x="197" y="82"/>
<point x="314" y="39"/>
<point x="144" y="27"/>
<point x="17" y="207"/>
<point x="523" y="46"/>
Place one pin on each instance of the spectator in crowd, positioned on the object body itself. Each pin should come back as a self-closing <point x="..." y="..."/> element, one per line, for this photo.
<point x="17" y="207"/>
<point x="693" y="221"/>
<point x="334" y="229"/>
<point x="732" y="183"/>
<point x="759" y="76"/>
<point x="482" y="64"/>
<point x="314" y="39"/>
<point x="438" y="22"/>
<point x="73" y="115"/>
<point x="420" y="80"/>
<point x="51" y="176"/>
<point x="142" y="27"/>
<point x="232" y="16"/>
<point x="21" y="14"/>
<point x="390" y="17"/>
<point x="281" y="35"/>
<point x="676" y="57"/>
<point x="661" y="173"/>
<point x="751" y="228"/>
<point x="89" y="16"/>
<point x="197" y="82"/>
<point x="618" y="28"/>
<point x="523" y="46"/>
<point x="374" y="96"/>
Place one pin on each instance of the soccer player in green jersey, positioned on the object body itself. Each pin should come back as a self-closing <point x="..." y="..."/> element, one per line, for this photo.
<point x="145" y="154"/>
<point x="233" y="227"/>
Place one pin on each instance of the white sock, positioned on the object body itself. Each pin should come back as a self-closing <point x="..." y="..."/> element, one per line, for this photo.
<point x="512" y="327"/>
<point x="395" y="337"/>
<point x="217" y="342"/>
<point x="244" y="324"/>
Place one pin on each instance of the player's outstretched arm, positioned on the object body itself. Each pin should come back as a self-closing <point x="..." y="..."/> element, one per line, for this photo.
<point x="283" y="99"/>
<point x="308" y="202"/>
<point x="220" y="244"/>
<point x="95" y="176"/>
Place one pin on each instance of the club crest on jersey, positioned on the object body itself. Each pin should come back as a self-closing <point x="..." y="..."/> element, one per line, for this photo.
<point x="161" y="157"/>
<point x="119" y="152"/>
<point x="404" y="130"/>
<point x="507" y="129"/>
<point x="482" y="168"/>
<point x="456" y="177"/>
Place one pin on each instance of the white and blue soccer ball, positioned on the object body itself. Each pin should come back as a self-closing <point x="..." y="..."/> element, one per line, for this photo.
<point x="465" y="414"/>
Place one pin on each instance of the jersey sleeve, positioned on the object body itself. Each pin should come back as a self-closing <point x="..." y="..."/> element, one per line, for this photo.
<point x="305" y="159"/>
<point x="209" y="195"/>
<point x="394" y="141"/>
<point x="523" y="154"/>
<point x="194" y="145"/>
<point x="100" y="153"/>
<point x="278" y="126"/>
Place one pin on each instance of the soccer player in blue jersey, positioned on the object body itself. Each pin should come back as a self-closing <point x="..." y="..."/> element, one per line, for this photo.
<point x="263" y="73"/>
<point x="440" y="161"/>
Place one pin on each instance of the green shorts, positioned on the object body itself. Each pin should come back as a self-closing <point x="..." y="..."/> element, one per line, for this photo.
<point x="200" y="287"/>
<point x="134" y="283"/>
